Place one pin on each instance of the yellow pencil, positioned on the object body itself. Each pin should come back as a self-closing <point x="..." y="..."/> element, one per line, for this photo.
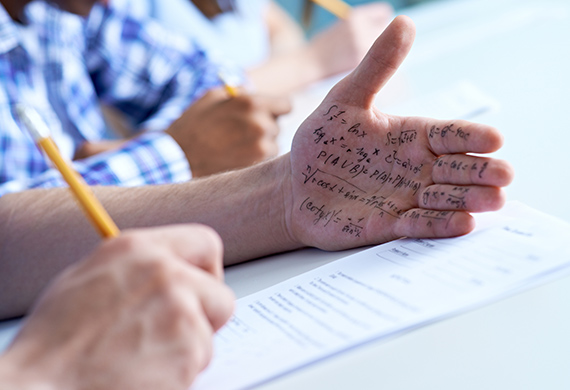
<point x="231" y="89"/>
<point x="90" y="204"/>
<point x="336" y="7"/>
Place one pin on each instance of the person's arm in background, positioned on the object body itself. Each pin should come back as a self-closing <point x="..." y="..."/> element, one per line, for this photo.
<point x="153" y="77"/>
<point x="285" y="34"/>
<point x="349" y="163"/>
<point x="139" y="312"/>
<point x="339" y="48"/>
<point x="215" y="134"/>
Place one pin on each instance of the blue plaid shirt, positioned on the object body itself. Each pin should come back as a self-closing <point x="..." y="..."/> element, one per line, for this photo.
<point x="65" y="66"/>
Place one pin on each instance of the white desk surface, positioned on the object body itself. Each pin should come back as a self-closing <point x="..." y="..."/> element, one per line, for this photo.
<point x="516" y="52"/>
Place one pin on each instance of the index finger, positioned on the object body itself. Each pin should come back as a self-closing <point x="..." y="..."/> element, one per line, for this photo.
<point x="196" y="244"/>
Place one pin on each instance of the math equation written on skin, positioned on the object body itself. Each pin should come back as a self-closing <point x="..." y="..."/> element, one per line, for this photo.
<point x="352" y="166"/>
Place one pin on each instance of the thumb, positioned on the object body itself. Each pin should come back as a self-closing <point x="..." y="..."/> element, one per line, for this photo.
<point x="382" y="60"/>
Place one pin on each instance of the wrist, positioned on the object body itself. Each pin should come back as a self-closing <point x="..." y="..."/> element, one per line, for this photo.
<point x="280" y="176"/>
<point x="279" y="194"/>
<point x="253" y="208"/>
<point x="272" y="197"/>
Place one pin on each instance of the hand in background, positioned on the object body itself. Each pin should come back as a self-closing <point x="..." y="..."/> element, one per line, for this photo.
<point x="342" y="46"/>
<point x="337" y="49"/>
<point x="220" y="134"/>
<point x="140" y="312"/>
<point x="360" y="176"/>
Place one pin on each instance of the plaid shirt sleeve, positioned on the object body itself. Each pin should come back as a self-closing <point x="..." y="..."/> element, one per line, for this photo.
<point x="146" y="72"/>
<point x="153" y="158"/>
<point x="133" y="65"/>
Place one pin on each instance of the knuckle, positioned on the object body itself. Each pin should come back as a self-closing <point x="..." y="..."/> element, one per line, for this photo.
<point x="161" y="276"/>
<point x="131" y="240"/>
<point x="246" y="102"/>
<point x="208" y="245"/>
<point x="264" y="154"/>
<point x="256" y="131"/>
<point x="280" y="105"/>
<point x="211" y="236"/>
<point x="268" y="150"/>
<point x="277" y="105"/>
<point x="188" y="371"/>
<point x="198" y="340"/>
<point x="191" y="307"/>
<point x="227" y="303"/>
<point x="200" y="352"/>
<point x="222" y="308"/>
<point x="128" y="242"/>
<point x="195" y="357"/>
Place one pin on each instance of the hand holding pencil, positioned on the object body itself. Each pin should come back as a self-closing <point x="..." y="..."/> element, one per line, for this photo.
<point x="230" y="87"/>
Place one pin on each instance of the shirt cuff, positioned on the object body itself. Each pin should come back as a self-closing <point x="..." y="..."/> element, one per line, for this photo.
<point x="151" y="158"/>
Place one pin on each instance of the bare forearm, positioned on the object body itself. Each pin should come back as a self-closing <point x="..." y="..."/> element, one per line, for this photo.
<point x="43" y="231"/>
<point x="285" y="33"/>
<point x="285" y="73"/>
<point x="246" y="208"/>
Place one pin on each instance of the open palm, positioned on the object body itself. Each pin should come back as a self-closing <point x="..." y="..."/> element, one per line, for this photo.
<point x="359" y="176"/>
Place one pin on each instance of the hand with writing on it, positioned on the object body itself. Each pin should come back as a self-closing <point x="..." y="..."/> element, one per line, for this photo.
<point x="360" y="176"/>
<point x="140" y="312"/>
<point x="218" y="133"/>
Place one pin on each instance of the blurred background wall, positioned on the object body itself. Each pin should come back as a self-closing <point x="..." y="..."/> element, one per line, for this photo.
<point x="322" y="18"/>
